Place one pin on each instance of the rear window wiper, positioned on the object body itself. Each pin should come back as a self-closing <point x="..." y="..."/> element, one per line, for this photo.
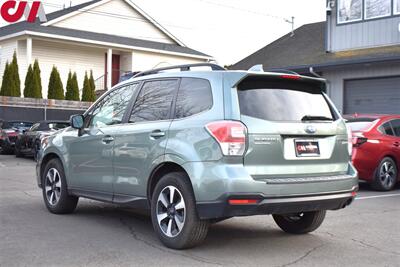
<point x="315" y="118"/>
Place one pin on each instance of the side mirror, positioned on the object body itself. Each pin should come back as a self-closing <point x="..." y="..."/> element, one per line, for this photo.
<point x="77" y="121"/>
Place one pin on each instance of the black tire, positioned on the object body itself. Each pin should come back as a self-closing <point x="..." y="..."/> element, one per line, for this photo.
<point x="194" y="230"/>
<point x="300" y="223"/>
<point x="66" y="203"/>
<point x="383" y="182"/>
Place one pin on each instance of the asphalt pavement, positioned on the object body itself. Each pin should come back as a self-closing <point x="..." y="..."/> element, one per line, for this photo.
<point x="365" y="234"/>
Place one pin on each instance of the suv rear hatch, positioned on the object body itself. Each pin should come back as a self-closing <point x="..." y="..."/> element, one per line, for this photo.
<point x="294" y="131"/>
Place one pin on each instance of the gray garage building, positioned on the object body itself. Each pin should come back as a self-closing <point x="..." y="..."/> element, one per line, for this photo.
<point x="357" y="49"/>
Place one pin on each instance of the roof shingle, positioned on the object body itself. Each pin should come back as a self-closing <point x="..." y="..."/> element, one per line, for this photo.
<point x="307" y="48"/>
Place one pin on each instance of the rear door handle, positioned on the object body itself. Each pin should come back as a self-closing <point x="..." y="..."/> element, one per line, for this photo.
<point x="107" y="139"/>
<point x="396" y="144"/>
<point x="157" y="134"/>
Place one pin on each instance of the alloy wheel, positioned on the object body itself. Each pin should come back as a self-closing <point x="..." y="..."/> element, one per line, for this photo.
<point x="53" y="186"/>
<point x="387" y="174"/>
<point x="171" y="211"/>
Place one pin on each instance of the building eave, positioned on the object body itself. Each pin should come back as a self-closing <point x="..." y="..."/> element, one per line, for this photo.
<point x="102" y="43"/>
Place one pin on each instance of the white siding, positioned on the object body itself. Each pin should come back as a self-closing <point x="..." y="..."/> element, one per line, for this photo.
<point x="22" y="64"/>
<point x="7" y="50"/>
<point x="145" y="60"/>
<point x="336" y="78"/>
<point x="128" y="22"/>
<point x="67" y="57"/>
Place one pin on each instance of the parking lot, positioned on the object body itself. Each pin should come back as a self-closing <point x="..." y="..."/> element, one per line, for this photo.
<point x="365" y="234"/>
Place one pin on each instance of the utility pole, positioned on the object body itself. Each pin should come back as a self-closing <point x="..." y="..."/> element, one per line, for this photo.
<point x="291" y="21"/>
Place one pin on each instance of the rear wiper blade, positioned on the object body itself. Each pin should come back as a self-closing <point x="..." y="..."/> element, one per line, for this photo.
<point x="315" y="118"/>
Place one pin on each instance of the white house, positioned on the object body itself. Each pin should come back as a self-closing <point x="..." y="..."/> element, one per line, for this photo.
<point x="109" y="37"/>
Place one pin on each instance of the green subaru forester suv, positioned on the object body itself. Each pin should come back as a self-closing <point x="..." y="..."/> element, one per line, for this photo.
<point x="196" y="146"/>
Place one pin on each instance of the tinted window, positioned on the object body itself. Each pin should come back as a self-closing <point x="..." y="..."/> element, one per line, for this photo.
<point x="154" y="101"/>
<point x="396" y="127"/>
<point x="386" y="128"/>
<point x="194" y="96"/>
<point x="111" y="109"/>
<point x="279" y="100"/>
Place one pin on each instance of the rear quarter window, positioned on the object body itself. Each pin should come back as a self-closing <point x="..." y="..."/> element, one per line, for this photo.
<point x="194" y="97"/>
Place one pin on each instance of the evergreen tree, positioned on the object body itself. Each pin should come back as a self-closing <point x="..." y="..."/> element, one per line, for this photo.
<point x="55" y="89"/>
<point x="5" y="84"/>
<point x="16" y="82"/>
<point x="29" y="85"/>
<point x="37" y="81"/>
<point x="86" y="91"/>
<point x="72" y="90"/>
<point x="75" y="87"/>
<point x="92" y="86"/>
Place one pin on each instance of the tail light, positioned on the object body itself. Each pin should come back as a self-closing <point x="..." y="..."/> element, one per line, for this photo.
<point x="358" y="141"/>
<point x="230" y="135"/>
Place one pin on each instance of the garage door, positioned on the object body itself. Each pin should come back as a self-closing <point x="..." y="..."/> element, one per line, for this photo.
<point x="380" y="96"/>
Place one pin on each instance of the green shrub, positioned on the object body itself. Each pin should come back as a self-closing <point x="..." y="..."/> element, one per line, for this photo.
<point x="11" y="84"/>
<point x="5" y="84"/>
<point x="29" y="86"/>
<point x="72" y="89"/>
<point x="37" y="80"/>
<point x="92" y="85"/>
<point x="87" y="95"/>
<point x="55" y="89"/>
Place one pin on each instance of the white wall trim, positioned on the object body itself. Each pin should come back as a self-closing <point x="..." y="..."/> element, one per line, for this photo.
<point x="106" y="44"/>
<point x="131" y="4"/>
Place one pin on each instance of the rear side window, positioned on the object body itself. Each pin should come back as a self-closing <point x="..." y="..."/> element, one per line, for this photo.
<point x="154" y="101"/>
<point x="283" y="100"/>
<point x="386" y="128"/>
<point x="194" y="96"/>
<point x="396" y="127"/>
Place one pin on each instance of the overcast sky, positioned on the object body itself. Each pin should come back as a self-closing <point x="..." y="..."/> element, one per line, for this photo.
<point x="229" y="30"/>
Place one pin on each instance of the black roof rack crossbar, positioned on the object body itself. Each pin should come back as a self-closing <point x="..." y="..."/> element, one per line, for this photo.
<point x="185" y="67"/>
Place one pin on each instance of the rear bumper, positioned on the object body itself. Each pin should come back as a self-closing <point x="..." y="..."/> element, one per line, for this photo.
<point x="277" y="205"/>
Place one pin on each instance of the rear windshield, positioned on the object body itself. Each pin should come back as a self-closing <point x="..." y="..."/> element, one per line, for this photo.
<point x="283" y="100"/>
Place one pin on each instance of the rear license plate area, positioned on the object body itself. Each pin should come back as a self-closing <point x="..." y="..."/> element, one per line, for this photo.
<point x="306" y="148"/>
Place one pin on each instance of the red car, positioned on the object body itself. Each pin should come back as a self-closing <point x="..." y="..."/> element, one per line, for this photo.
<point x="376" y="148"/>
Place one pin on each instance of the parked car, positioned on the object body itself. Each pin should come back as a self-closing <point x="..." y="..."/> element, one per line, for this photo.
<point x="8" y="134"/>
<point x="376" y="148"/>
<point x="28" y="142"/>
<point x="195" y="147"/>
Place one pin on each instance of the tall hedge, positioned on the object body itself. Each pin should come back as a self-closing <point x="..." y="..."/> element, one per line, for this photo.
<point x="15" y="76"/>
<point x="72" y="89"/>
<point x="55" y="89"/>
<point x="87" y="94"/>
<point x="37" y="80"/>
<point x="5" y="89"/>
<point x="29" y="86"/>
<point x="11" y="84"/>
<point x="92" y="85"/>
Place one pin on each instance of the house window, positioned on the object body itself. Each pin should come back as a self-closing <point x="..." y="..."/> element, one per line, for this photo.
<point x="349" y="10"/>
<point x="377" y="8"/>
<point x="396" y="7"/>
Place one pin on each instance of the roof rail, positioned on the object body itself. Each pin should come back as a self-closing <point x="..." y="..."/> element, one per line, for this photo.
<point x="283" y="71"/>
<point x="185" y="67"/>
